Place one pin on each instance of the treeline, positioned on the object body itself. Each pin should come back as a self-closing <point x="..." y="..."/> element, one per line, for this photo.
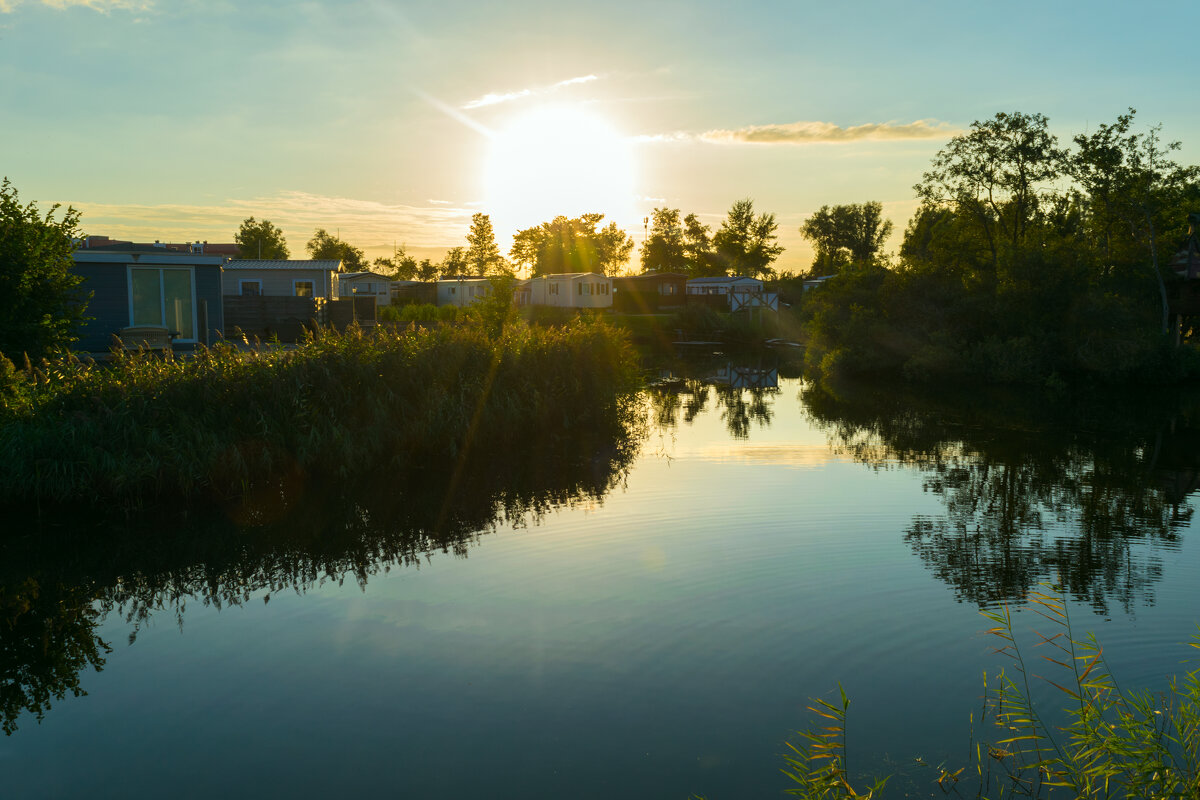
<point x="1026" y="262"/>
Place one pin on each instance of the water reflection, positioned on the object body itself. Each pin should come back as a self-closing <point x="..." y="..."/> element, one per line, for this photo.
<point x="1087" y="494"/>
<point x="61" y="577"/>
<point x="745" y="393"/>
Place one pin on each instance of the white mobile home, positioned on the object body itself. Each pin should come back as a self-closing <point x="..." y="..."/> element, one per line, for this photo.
<point x="571" y="290"/>
<point x="462" y="290"/>
<point x="362" y="284"/>
<point x="281" y="278"/>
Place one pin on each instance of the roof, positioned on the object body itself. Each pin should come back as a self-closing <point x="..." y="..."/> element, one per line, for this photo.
<point x="349" y="276"/>
<point x="457" y="278"/>
<point x="328" y="265"/>
<point x="649" y="276"/>
<point x="571" y="275"/>
<point x="724" y="279"/>
<point x="153" y="255"/>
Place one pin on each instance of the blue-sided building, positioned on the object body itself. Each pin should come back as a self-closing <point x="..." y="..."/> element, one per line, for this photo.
<point x="144" y="285"/>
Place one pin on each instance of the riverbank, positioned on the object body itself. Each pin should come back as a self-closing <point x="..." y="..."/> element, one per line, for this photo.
<point x="146" y="429"/>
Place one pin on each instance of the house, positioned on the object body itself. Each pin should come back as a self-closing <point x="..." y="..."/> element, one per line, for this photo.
<point x="462" y="290"/>
<point x="571" y="290"/>
<point x="406" y="292"/>
<point x="282" y="278"/>
<point x="649" y="292"/>
<point x="363" y="284"/>
<point x="732" y="292"/>
<point x="723" y="284"/>
<point x="150" y="287"/>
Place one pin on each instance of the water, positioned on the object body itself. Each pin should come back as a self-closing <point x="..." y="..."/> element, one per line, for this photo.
<point x="637" y="612"/>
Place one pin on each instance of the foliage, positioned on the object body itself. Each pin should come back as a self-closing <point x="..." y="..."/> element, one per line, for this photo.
<point x="1007" y="277"/>
<point x="1116" y="744"/>
<point x="324" y="245"/>
<point x="663" y="250"/>
<point x="700" y="258"/>
<point x="400" y="266"/>
<point x="483" y="254"/>
<point x="845" y="235"/>
<point x="454" y="263"/>
<point x="572" y="245"/>
<point x="260" y="240"/>
<point x="146" y="428"/>
<point x="746" y="244"/>
<point x="41" y="305"/>
<point x="426" y="270"/>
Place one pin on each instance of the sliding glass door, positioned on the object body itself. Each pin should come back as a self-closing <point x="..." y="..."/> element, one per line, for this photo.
<point x="163" y="297"/>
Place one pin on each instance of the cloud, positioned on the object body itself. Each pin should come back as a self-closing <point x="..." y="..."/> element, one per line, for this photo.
<point x="364" y="223"/>
<point x="103" y="6"/>
<point x="807" y="132"/>
<point x="492" y="99"/>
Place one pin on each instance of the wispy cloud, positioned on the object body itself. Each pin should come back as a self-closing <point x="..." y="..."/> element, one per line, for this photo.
<point x="364" y="223"/>
<point x="103" y="6"/>
<point x="495" y="98"/>
<point x="806" y="132"/>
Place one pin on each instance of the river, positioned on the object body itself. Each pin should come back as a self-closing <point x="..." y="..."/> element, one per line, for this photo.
<point x="641" y="612"/>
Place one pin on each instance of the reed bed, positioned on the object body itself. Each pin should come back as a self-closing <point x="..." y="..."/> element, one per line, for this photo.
<point x="145" y="428"/>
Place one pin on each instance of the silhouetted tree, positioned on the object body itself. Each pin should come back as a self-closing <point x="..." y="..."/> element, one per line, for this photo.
<point x="260" y="240"/>
<point x="745" y="244"/>
<point x="846" y="234"/>
<point x="323" y="245"/>
<point x="41" y="306"/>
<point x="664" y="250"/>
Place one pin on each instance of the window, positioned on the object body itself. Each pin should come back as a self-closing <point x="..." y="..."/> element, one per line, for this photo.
<point x="303" y="288"/>
<point x="250" y="288"/>
<point x="579" y="286"/>
<point x="163" y="297"/>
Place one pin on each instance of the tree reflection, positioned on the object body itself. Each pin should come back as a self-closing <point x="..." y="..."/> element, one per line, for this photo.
<point x="744" y="395"/>
<point x="1087" y="495"/>
<point x="60" y="577"/>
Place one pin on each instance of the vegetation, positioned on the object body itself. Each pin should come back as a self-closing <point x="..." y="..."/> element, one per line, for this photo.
<point x="1025" y="263"/>
<point x="145" y="428"/>
<point x="746" y="244"/>
<point x="743" y="245"/>
<point x="1115" y="743"/>
<point x="325" y="246"/>
<point x="572" y="245"/>
<point x="845" y="236"/>
<point x="260" y="240"/>
<point x="400" y="265"/>
<point x="41" y="306"/>
<point x="483" y="254"/>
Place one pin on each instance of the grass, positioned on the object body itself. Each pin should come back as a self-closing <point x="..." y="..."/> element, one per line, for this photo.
<point x="1116" y="744"/>
<point x="147" y="429"/>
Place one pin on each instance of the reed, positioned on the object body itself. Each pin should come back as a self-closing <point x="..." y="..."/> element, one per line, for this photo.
<point x="1115" y="743"/>
<point x="145" y="428"/>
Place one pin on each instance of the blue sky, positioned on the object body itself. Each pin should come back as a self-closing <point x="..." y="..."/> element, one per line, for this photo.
<point x="174" y="119"/>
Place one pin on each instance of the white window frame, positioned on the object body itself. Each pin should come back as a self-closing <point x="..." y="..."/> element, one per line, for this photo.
<point x="242" y="286"/>
<point x="296" y="284"/>
<point x="161" y="299"/>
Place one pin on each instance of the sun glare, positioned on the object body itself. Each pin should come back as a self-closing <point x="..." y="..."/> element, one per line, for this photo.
<point x="558" y="161"/>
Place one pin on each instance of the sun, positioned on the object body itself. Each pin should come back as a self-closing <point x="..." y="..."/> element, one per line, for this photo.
<point x="558" y="160"/>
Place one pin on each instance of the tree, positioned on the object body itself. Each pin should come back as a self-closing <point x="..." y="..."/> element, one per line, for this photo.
<point x="483" y="254"/>
<point x="401" y="266"/>
<point x="613" y="248"/>
<point x="455" y="262"/>
<point x="427" y="270"/>
<point x="745" y="244"/>
<point x="41" y="306"/>
<point x="260" y="240"/>
<point x="699" y="258"/>
<point x="664" y="247"/>
<point x="324" y="245"/>
<point x="846" y="234"/>
<point x="572" y="245"/>
<point x="993" y="174"/>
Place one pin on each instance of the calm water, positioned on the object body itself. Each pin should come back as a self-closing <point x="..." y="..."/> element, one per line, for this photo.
<point x="640" y="612"/>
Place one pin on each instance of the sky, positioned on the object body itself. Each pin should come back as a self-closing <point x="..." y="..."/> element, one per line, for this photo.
<point x="394" y="122"/>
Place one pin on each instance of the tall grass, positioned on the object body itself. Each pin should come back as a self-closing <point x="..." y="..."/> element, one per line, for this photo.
<point x="1115" y="743"/>
<point x="146" y="428"/>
